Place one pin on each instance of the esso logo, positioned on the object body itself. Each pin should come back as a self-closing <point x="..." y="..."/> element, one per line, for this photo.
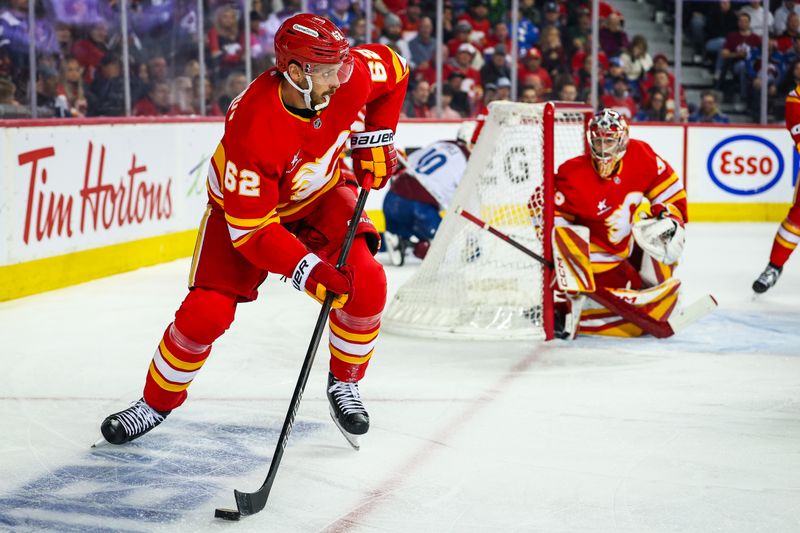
<point x="745" y="165"/>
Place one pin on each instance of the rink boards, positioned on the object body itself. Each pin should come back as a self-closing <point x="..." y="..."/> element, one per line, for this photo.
<point x="81" y="200"/>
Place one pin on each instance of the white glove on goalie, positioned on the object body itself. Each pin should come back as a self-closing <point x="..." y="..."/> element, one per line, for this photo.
<point x="662" y="236"/>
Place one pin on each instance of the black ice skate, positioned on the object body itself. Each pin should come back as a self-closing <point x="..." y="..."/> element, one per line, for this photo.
<point x="767" y="279"/>
<point x="347" y="409"/>
<point x="131" y="423"/>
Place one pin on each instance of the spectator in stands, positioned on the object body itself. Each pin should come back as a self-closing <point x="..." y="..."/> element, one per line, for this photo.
<point x="463" y="63"/>
<point x="235" y="83"/>
<point x="710" y="31"/>
<point x="577" y="35"/>
<point x="212" y="107"/>
<point x="48" y="100"/>
<point x="423" y="47"/>
<point x="392" y="35"/>
<point x="568" y="91"/>
<point x="636" y="61"/>
<point x="656" y="108"/>
<point x="182" y="97"/>
<point x="499" y="35"/>
<point x="496" y="67"/>
<point x="503" y="89"/>
<point x="462" y="36"/>
<point x="106" y="95"/>
<point x="528" y="95"/>
<point x="340" y="14"/>
<point x="226" y="42"/>
<point x="708" y="111"/>
<point x="411" y="19"/>
<point x="478" y="20"/>
<point x="791" y="79"/>
<point x="92" y="49"/>
<point x="64" y="39"/>
<point x="528" y="35"/>
<point x="156" y="102"/>
<point x="447" y="111"/>
<point x="554" y="56"/>
<point x="157" y="69"/>
<point x="781" y="16"/>
<point x="448" y="21"/>
<point x="756" y="12"/>
<point x="73" y="87"/>
<point x="785" y="40"/>
<point x="531" y="65"/>
<point x="461" y="101"/>
<point x="613" y="39"/>
<point x="734" y="53"/>
<point x="619" y="99"/>
<point x="9" y="106"/>
<point x="416" y="104"/>
<point x="358" y="32"/>
<point x="274" y="21"/>
<point x="551" y="15"/>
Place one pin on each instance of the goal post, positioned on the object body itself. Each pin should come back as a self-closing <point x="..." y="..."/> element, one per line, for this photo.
<point x="471" y="284"/>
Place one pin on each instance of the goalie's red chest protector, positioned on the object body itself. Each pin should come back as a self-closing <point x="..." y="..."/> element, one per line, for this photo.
<point x="607" y="205"/>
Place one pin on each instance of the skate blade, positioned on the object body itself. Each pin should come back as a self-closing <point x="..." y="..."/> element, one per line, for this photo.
<point x="352" y="440"/>
<point x="99" y="443"/>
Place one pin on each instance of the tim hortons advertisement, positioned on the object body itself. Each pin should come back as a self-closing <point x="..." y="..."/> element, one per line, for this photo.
<point x="71" y="188"/>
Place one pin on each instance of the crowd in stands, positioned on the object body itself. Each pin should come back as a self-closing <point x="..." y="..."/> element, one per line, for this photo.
<point x="80" y="72"/>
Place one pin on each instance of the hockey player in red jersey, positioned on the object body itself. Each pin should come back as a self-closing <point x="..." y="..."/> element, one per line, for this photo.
<point x="278" y="203"/>
<point x="602" y="191"/>
<point x="788" y="235"/>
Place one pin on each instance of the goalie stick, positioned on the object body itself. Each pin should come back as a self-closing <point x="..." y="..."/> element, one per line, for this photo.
<point x="656" y="328"/>
<point x="249" y="503"/>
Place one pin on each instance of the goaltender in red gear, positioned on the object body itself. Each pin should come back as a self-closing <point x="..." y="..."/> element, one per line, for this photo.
<point x="279" y="203"/>
<point x="602" y="191"/>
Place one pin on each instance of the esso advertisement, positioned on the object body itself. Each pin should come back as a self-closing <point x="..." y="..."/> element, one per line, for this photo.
<point x="745" y="165"/>
<point x="731" y="165"/>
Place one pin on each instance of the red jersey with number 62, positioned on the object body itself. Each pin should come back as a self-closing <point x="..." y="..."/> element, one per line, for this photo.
<point x="272" y="166"/>
<point x="607" y="205"/>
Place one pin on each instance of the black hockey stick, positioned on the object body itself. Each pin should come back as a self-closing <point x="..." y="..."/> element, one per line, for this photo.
<point x="252" y="502"/>
<point x="654" y="327"/>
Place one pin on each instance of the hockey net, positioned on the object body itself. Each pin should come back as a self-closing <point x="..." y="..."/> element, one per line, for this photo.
<point x="473" y="285"/>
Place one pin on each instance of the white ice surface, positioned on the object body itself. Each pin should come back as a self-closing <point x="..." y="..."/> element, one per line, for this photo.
<point x="696" y="433"/>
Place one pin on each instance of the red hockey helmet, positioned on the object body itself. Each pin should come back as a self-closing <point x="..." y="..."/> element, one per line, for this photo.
<point x="607" y="134"/>
<point x="308" y="40"/>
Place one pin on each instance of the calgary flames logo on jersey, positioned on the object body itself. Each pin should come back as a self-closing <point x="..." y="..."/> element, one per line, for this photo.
<point x="312" y="176"/>
<point x="619" y="222"/>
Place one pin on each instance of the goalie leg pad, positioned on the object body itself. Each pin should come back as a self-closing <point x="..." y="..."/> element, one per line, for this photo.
<point x="657" y="302"/>
<point x="573" y="268"/>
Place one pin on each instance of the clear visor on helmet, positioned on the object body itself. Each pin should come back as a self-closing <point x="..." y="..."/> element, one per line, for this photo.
<point x="328" y="73"/>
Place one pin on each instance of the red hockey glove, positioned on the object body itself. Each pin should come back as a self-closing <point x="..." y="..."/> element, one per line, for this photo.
<point x="318" y="277"/>
<point x="662" y="211"/>
<point x="373" y="152"/>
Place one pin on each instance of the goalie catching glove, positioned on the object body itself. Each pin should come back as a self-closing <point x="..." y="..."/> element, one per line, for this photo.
<point x="661" y="235"/>
<point x="373" y="153"/>
<point x="317" y="277"/>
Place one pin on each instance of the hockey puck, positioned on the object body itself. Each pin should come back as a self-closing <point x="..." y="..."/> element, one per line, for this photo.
<point x="227" y="514"/>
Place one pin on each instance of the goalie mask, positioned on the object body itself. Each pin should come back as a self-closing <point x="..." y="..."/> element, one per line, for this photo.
<point x="319" y="48"/>
<point x="607" y="134"/>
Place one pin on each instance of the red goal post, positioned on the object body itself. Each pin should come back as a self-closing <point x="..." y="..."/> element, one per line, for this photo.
<point x="471" y="284"/>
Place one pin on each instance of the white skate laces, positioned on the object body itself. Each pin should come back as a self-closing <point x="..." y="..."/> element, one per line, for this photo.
<point x="347" y="397"/>
<point x="139" y="418"/>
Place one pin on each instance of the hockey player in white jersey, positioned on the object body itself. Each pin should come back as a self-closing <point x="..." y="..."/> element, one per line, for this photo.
<point x="420" y="191"/>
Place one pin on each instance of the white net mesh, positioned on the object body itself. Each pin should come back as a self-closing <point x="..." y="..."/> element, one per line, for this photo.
<point x="473" y="285"/>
